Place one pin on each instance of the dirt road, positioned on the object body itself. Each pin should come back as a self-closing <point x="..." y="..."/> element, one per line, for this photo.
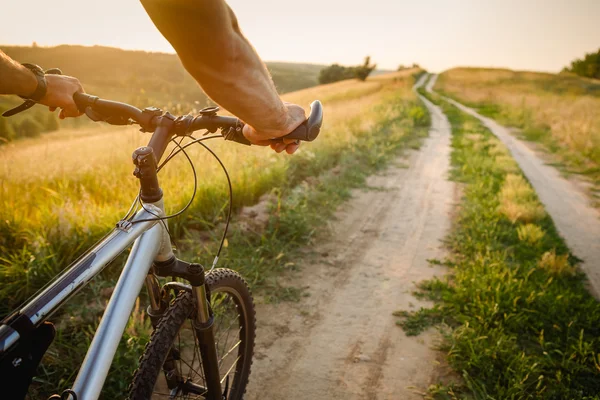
<point x="340" y="341"/>
<point x="576" y="219"/>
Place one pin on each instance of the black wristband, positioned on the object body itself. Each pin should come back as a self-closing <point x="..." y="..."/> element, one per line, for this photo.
<point x="42" y="86"/>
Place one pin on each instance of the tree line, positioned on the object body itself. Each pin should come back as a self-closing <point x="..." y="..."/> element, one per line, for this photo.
<point x="336" y="72"/>
<point x="588" y="66"/>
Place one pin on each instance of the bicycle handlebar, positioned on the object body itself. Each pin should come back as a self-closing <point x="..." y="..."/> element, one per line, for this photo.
<point x="118" y="113"/>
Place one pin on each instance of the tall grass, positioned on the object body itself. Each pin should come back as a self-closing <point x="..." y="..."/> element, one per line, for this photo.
<point x="521" y="324"/>
<point x="562" y="112"/>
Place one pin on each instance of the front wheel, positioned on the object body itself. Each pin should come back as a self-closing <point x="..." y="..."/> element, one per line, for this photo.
<point x="171" y="366"/>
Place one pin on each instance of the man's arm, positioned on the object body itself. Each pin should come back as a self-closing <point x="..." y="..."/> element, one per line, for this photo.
<point x="18" y="80"/>
<point x="208" y="40"/>
<point x="15" y="78"/>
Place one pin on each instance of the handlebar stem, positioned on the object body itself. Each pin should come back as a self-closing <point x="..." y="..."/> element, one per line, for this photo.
<point x="145" y="171"/>
<point x="162" y="135"/>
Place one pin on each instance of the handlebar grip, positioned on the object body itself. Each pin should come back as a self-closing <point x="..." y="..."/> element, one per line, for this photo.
<point x="309" y="129"/>
<point x="83" y="100"/>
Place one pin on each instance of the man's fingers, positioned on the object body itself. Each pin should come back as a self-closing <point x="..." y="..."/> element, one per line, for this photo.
<point x="70" y="112"/>
<point x="291" y="141"/>
<point x="279" y="147"/>
<point x="291" y="148"/>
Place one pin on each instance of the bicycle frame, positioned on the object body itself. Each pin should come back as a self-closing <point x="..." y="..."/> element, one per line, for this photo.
<point x="150" y="243"/>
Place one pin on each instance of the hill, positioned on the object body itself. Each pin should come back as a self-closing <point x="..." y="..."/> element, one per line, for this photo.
<point x="123" y="74"/>
<point x="136" y="77"/>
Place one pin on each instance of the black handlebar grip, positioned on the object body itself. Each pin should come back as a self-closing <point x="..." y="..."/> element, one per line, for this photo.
<point x="309" y="129"/>
<point x="82" y="101"/>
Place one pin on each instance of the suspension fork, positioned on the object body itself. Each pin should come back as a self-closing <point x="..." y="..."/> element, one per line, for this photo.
<point x="203" y="325"/>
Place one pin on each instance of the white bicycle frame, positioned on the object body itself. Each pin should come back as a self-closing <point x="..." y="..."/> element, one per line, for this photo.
<point x="151" y="243"/>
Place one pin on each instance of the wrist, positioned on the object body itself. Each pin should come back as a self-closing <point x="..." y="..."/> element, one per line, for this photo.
<point x="41" y="86"/>
<point x="278" y="123"/>
<point x="27" y="82"/>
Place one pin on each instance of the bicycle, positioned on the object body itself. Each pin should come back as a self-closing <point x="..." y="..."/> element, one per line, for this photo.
<point x="182" y="314"/>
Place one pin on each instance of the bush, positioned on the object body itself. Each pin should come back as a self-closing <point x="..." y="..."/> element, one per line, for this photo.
<point x="29" y="128"/>
<point x="336" y="72"/>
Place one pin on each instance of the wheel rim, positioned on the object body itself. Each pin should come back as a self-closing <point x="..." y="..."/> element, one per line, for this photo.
<point x="186" y="372"/>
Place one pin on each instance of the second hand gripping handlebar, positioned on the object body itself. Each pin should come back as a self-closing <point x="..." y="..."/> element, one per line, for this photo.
<point x="117" y="113"/>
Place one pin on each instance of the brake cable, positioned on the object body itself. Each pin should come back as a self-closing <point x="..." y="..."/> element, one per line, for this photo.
<point x="174" y="152"/>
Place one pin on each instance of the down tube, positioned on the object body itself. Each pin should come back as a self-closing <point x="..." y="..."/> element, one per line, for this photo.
<point x="99" y="357"/>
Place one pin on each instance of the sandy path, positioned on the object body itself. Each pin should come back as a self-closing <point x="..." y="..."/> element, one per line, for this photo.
<point x="576" y="219"/>
<point x="341" y="341"/>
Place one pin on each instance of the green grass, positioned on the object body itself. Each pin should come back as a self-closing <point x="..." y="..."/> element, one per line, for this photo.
<point x="261" y="257"/>
<point x="522" y="324"/>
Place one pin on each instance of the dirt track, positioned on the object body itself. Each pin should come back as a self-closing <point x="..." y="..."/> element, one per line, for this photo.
<point x="341" y="341"/>
<point x="576" y="219"/>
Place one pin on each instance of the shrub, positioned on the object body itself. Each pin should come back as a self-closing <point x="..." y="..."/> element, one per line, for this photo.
<point x="29" y="128"/>
<point x="530" y="233"/>
<point x="335" y="73"/>
<point x="555" y="264"/>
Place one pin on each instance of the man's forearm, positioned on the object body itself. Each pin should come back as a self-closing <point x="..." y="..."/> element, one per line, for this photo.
<point x="15" y="78"/>
<point x="207" y="38"/>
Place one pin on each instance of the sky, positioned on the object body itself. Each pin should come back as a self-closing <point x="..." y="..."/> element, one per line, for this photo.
<point x="437" y="34"/>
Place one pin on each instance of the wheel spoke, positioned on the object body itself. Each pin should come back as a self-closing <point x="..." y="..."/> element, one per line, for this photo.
<point x="229" y="371"/>
<point x="235" y="346"/>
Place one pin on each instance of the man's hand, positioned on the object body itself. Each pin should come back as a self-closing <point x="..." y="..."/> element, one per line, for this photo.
<point x="226" y="66"/>
<point x="60" y="93"/>
<point x="262" y="136"/>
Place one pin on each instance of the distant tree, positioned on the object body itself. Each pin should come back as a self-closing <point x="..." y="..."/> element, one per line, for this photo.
<point x="415" y="65"/>
<point x="334" y="73"/>
<point x="401" y="67"/>
<point x="29" y="128"/>
<point x="363" y="71"/>
<point x="589" y="66"/>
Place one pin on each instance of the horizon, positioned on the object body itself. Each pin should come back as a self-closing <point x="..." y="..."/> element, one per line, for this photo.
<point x="386" y="70"/>
<point x="542" y="36"/>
